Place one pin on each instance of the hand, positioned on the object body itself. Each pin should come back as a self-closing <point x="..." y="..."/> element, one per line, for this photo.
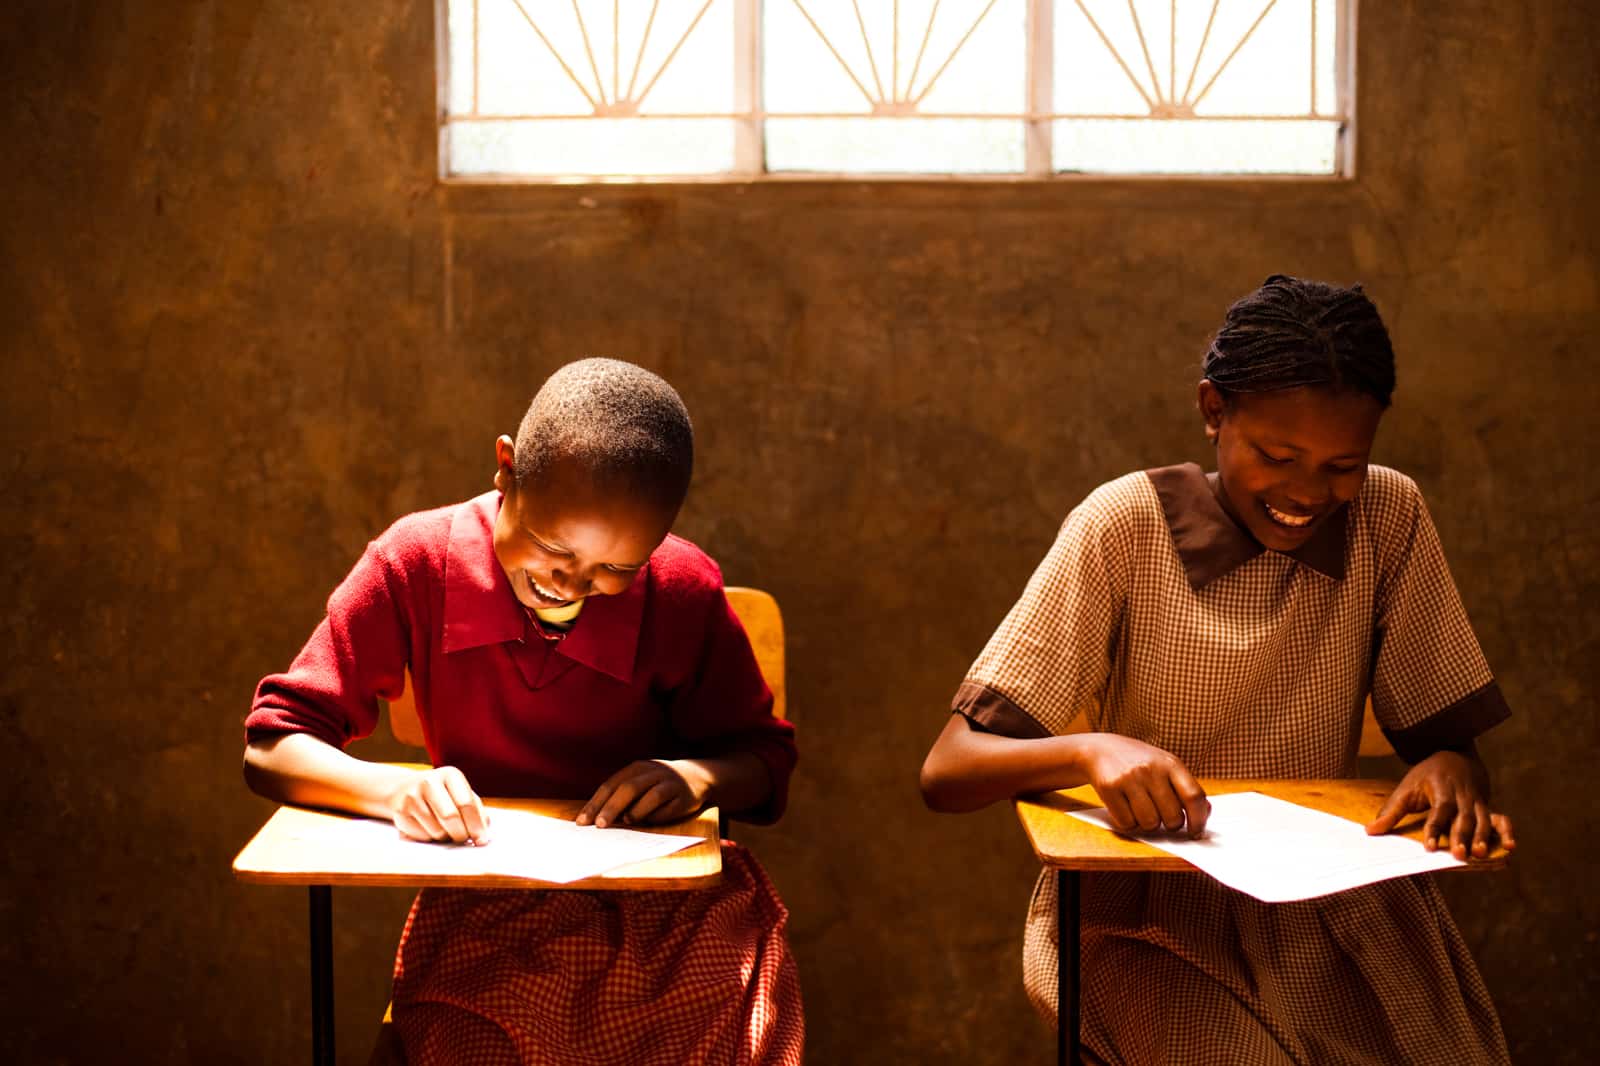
<point x="439" y="805"/>
<point x="1454" y="789"/>
<point x="648" y="792"/>
<point x="1145" y="788"/>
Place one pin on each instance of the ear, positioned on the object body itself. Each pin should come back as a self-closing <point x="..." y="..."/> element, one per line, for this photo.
<point x="1213" y="408"/>
<point x="505" y="460"/>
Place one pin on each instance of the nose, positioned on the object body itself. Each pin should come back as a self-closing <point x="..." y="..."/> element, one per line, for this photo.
<point x="571" y="586"/>
<point x="1309" y="493"/>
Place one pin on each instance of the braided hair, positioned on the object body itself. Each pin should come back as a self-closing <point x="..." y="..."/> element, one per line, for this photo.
<point x="625" y="424"/>
<point x="1291" y="333"/>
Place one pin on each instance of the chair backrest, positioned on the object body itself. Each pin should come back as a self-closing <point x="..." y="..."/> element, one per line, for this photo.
<point x="763" y="624"/>
<point x="1373" y="743"/>
<point x="757" y="611"/>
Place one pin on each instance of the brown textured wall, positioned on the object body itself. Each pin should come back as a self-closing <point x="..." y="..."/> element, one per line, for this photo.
<point x="244" y="328"/>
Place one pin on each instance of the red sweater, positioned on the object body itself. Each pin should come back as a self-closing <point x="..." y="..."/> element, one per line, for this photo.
<point x="663" y="670"/>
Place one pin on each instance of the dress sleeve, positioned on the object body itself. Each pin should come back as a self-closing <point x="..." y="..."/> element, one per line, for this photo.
<point x="1431" y="687"/>
<point x="1051" y="657"/>
<point x="356" y="655"/>
<point x="726" y="708"/>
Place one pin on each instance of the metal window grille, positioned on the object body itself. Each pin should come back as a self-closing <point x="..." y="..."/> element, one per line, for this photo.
<point x="594" y="90"/>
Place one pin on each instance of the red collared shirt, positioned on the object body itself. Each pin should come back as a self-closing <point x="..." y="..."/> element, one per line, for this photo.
<point x="663" y="670"/>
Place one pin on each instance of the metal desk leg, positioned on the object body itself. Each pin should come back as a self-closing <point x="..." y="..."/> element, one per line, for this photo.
<point x="1068" y="993"/>
<point x="322" y="1049"/>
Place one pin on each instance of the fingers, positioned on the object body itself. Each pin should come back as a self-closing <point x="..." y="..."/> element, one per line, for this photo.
<point x="619" y="792"/>
<point x="1481" y="834"/>
<point x="474" y="816"/>
<point x="1196" y="807"/>
<point x="1463" y="827"/>
<point x="1146" y="815"/>
<point x="416" y="821"/>
<point x="439" y="805"/>
<point x="1436" y="830"/>
<point x="1402" y="801"/>
<point x="662" y="803"/>
<point x="1502" y="828"/>
<point x="1169" y="805"/>
<point x="1118" y="810"/>
<point x="455" y="808"/>
<point x="641" y="792"/>
<point x="602" y="795"/>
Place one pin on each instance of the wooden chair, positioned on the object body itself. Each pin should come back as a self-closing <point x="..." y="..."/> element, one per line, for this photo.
<point x="763" y="624"/>
<point x="1374" y="745"/>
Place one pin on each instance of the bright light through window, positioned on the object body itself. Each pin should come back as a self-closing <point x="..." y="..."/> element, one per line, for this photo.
<point x="738" y="89"/>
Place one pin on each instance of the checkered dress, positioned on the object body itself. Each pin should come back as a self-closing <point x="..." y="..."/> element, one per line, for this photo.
<point x="1156" y="616"/>
<point x="571" y="978"/>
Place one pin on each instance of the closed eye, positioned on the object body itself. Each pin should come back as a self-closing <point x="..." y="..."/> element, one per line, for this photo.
<point x="548" y="548"/>
<point x="1269" y="457"/>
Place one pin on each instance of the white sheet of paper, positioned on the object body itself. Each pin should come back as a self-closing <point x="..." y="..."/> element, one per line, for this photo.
<point x="1279" y="851"/>
<point x="521" y="844"/>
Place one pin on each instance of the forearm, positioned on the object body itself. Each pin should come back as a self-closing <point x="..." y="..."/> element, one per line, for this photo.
<point x="734" y="783"/>
<point x="968" y="769"/>
<point x="299" y="768"/>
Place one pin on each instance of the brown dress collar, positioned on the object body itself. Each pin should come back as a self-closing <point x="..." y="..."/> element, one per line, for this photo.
<point x="1210" y="543"/>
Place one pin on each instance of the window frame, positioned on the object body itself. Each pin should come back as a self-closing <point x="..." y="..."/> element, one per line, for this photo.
<point x="1038" y="123"/>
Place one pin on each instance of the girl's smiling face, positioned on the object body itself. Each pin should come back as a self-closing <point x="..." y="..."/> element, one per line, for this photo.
<point x="1288" y="459"/>
<point x="565" y="538"/>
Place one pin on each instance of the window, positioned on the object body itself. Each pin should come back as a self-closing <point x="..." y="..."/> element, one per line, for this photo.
<point x="540" y="90"/>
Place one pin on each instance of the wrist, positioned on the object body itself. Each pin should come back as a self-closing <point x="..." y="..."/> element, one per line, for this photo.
<point x="702" y="783"/>
<point x="1075" y="752"/>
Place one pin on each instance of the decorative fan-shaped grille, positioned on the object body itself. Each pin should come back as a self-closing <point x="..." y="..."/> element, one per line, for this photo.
<point x="729" y="86"/>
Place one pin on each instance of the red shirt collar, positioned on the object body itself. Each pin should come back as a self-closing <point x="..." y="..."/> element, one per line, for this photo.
<point x="480" y="608"/>
<point x="1210" y="543"/>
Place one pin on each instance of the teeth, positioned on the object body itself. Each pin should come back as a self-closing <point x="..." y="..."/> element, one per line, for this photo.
<point x="548" y="594"/>
<point x="1288" y="519"/>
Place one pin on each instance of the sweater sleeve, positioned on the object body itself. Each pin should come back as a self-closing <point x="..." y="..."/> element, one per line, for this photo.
<point x="356" y="655"/>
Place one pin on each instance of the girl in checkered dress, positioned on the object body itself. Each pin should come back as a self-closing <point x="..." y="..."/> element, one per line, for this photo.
<point x="559" y="642"/>
<point x="1233" y="624"/>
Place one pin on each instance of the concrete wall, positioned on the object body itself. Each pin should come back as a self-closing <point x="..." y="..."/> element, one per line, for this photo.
<point x="244" y="328"/>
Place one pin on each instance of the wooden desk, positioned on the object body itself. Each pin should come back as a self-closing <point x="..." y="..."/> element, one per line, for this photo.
<point x="1070" y="846"/>
<point x="286" y="852"/>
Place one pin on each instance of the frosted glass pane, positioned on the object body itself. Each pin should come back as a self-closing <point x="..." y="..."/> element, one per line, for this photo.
<point x="1154" y="146"/>
<point x="592" y="147"/>
<point x="895" y="145"/>
<point x="458" y="94"/>
<point x="1327" y="74"/>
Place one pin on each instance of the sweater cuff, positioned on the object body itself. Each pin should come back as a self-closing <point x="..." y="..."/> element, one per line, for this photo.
<point x="779" y="759"/>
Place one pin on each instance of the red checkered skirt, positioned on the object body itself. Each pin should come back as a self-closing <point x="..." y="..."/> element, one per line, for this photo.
<point x="574" y="978"/>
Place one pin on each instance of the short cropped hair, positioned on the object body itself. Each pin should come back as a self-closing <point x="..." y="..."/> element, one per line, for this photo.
<point x="626" y="424"/>
<point x="1291" y="333"/>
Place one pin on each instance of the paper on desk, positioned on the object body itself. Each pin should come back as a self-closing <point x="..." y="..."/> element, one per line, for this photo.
<point x="1279" y="851"/>
<point x="521" y="844"/>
